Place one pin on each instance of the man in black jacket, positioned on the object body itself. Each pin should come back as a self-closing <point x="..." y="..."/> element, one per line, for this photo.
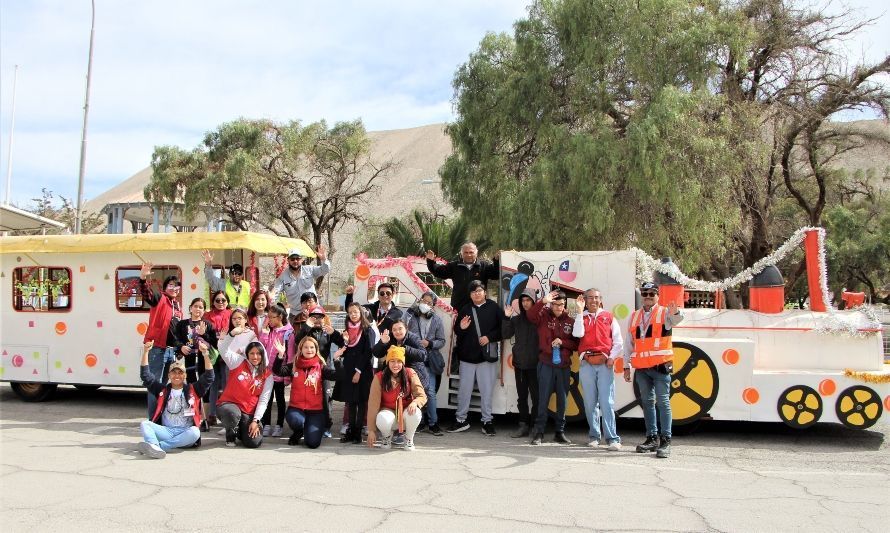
<point x="525" y="359"/>
<point x="462" y="272"/>
<point x="383" y="311"/>
<point x="476" y="335"/>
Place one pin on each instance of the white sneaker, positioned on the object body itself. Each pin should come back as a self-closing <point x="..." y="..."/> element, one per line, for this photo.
<point x="267" y="430"/>
<point x="386" y="444"/>
<point x="221" y="432"/>
<point x="409" y="445"/>
<point x="276" y="431"/>
<point x="593" y="443"/>
<point x="151" y="450"/>
<point x="614" y="447"/>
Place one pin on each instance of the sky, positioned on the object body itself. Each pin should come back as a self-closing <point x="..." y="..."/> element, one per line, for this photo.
<point x="165" y="72"/>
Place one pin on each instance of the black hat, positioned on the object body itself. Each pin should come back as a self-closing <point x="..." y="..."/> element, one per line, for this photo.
<point x="236" y="269"/>
<point x="308" y="295"/>
<point x="649" y="286"/>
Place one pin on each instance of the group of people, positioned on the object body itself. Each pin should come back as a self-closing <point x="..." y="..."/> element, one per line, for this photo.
<point x="386" y="365"/>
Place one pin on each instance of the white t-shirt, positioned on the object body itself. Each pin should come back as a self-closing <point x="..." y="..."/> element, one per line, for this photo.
<point x="177" y="412"/>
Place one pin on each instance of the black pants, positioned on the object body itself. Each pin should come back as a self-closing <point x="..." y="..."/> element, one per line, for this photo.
<point x="526" y="383"/>
<point x="357" y="414"/>
<point x="278" y="396"/>
<point x="233" y="419"/>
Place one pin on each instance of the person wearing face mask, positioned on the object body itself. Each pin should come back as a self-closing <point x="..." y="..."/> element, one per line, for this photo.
<point x="651" y="354"/>
<point x="243" y="403"/>
<point x="298" y="278"/>
<point x="427" y="326"/>
<point x="178" y="413"/>
<point x="236" y="288"/>
<point x="164" y="313"/>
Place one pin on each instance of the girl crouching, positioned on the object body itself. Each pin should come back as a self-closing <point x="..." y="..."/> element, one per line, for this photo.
<point x="395" y="401"/>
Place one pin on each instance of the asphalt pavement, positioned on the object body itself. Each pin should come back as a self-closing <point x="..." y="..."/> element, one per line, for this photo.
<point x="71" y="465"/>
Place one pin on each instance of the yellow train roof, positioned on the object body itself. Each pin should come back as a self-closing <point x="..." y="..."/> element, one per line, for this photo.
<point x="260" y="243"/>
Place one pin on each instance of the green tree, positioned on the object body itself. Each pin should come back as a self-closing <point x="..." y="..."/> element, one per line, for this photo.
<point x="423" y="231"/>
<point x="684" y="127"/>
<point x="289" y="179"/>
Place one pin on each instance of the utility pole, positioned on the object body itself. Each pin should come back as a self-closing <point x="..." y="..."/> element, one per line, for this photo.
<point x="86" y="110"/>
<point x="15" y="80"/>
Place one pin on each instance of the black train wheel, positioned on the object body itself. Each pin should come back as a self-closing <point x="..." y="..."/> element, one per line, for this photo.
<point x="800" y="406"/>
<point x="858" y="407"/>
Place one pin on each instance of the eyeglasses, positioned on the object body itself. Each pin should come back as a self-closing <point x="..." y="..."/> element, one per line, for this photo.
<point x="220" y="301"/>
<point x="384" y="293"/>
<point x="648" y="294"/>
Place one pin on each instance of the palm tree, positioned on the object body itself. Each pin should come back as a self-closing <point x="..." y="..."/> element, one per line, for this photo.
<point x="430" y="232"/>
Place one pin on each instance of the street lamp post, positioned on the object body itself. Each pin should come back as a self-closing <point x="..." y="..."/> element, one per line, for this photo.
<point x="86" y="110"/>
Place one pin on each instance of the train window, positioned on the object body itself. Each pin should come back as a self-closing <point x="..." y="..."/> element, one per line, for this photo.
<point x="128" y="296"/>
<point x="41" y="289"/>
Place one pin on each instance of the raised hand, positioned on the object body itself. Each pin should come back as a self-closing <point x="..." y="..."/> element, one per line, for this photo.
<point x="350" y="289"/>
<point x="465" y="322"/>
<point x="322" y="252"/>
<point x="145" y="271"/>
<point x="208" y="257"/>
<point x="384" y="336"/>
<point x="430" y="254"/>
<point x="327" y="328"/>
<point x="672" y="307"/>
<point x="579" y="303"/>
<point x="279" y="347"/>
<point x="201" y="328"/>
<point x="550" y="296"/>
<point x="508" y="310"/>
<point x="238" y="330"/>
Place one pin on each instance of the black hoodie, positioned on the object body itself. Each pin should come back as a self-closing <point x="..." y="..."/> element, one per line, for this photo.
<point x="525" y="345"/>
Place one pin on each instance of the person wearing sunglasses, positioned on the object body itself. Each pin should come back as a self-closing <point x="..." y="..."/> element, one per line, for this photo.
<point x="236" y="288"/>
<point x="383" y="312"/>
<point x="164" y="313"/>
<point x="650" y="353"/>
<point x="298" y="278"/>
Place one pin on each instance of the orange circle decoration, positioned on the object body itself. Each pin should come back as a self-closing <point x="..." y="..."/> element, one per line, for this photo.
<point x="887" y="403"/>
<point x="751" y="395"/>
<point x="362" y="272"/>
<point x="827" y="387"/>
<point x="61" y="328"/>
<point x="141" y="328"/>
<point x="90" y="360"/>
<point x="194" y="286"/>
<point x="731" y="357"/>
<point x="92" y="289"/>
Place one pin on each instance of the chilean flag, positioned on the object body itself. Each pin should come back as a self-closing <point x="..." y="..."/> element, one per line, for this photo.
<point x="566" y="272"/>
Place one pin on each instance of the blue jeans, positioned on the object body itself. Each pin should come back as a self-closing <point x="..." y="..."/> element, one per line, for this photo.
<point x="156" y="359"/>
<point x="598" y="384"/>
<point x="655" y="393"/>
<point x="552" y="378"/>
<point x="308" y="423"/>
<point x="169" y="438"/>
<point x="432" y="416"/>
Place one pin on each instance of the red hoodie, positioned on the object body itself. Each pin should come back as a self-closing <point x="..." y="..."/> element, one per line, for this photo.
<point x="550" y="328"/>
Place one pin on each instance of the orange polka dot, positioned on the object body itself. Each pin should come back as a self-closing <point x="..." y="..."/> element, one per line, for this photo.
<point x="827" y="387"/>
<point x="194" y="286"/>
<point x="83" y="268"/>
<point x="750" y="395"/>
<point x="90" y="360"/>
<point x="61" y="328"/>
<point x="141" y="328"/>
<point x="731" y="357"/>
<point x="362" y="272"/>
<point x="196" y="270"/>
<point x="887" y="403"/>
<point x="92" y="289"/>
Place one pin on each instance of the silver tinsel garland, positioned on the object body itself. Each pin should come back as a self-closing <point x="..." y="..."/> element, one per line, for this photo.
<point x="832" y="323"/>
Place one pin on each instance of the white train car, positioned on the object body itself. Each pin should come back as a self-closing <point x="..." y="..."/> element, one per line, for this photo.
<point x="799" y="367"/>
<point x="73" y="312"/>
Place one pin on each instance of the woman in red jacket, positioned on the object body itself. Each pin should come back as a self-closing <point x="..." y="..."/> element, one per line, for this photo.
<point x="305" y="412"/>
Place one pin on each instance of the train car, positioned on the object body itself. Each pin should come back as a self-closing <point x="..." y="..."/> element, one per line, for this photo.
<point x="74" y="312"/>
<point x="766" y="364"/>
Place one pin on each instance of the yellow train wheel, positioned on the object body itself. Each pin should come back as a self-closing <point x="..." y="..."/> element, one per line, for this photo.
<point x="574" y="396"/>
<point x="694" y="384"/>
<point x="799" y="406"/>
<point x="858" y="407"/>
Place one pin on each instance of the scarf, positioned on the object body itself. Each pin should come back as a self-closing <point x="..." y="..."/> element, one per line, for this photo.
<point x="355" y="333"/>
<point x="312" y="369"/>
